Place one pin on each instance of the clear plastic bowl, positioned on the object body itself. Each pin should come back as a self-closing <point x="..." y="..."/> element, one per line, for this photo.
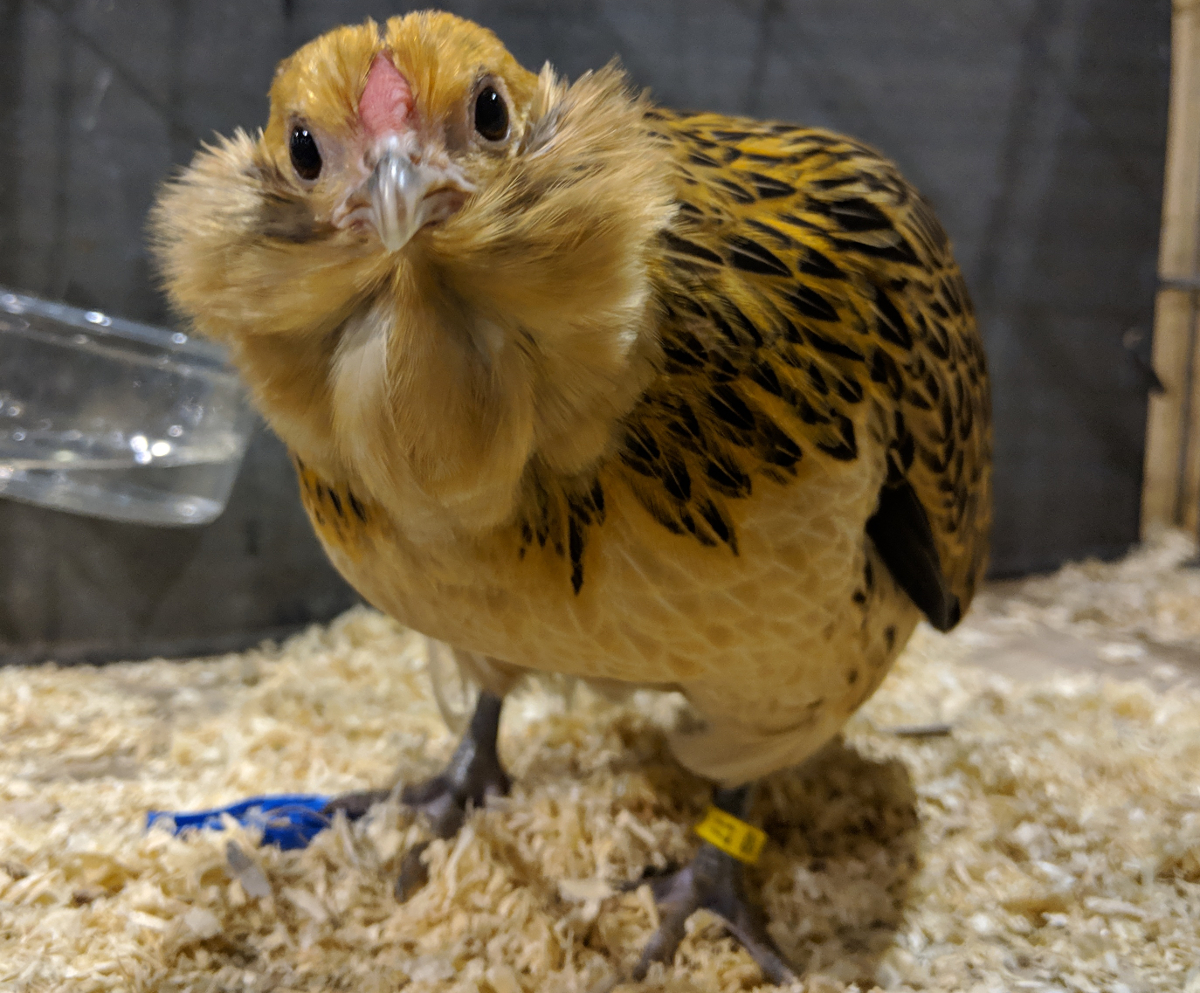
<point x="110" y="418"/>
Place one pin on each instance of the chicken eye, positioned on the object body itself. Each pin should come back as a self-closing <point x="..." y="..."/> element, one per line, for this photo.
<point x="306" y="157"/>
<point x="491" y="116"/>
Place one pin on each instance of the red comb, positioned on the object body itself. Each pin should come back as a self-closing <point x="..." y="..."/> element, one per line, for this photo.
<point x="387" y="100"/>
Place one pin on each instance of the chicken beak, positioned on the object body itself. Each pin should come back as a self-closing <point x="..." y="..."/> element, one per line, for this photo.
<point x="406" y="196"/>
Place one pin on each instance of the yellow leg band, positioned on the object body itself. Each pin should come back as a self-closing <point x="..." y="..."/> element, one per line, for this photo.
<point x="733" y="836"/>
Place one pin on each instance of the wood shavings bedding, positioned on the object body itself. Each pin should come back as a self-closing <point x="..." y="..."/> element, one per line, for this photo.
<point x="1050" y="841"/>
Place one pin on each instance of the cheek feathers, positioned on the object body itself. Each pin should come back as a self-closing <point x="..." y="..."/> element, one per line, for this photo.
<point x="387" y="101"/>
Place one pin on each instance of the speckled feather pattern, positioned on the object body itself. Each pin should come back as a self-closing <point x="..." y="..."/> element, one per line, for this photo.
<point x="817" y="344"/>
<point x="803" y="281"/>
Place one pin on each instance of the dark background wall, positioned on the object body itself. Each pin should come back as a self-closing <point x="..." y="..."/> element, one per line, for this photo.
<point x="1037" y="127"/>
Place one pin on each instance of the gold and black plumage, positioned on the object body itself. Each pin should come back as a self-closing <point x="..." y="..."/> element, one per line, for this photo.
<point x="802" y="278"/>
<point x="686" y="401"/>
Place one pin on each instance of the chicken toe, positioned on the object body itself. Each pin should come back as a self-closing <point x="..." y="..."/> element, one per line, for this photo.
<point x="473" y="774"/>
<point x="712" y="881"/>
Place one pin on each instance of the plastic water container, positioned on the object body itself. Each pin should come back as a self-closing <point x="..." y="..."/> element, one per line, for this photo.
<point x="110" y="418"/>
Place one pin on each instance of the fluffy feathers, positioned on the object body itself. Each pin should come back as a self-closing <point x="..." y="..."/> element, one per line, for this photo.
<point x="517" y="329"/>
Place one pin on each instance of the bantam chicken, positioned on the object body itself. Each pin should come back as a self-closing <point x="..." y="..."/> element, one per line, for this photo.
<point x="578" y="384"/>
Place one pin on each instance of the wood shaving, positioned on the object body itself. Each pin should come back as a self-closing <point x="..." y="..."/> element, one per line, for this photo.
<point x="1050" y="841"/>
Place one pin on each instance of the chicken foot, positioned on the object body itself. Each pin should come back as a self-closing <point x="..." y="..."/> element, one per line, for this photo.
<point x="472" y="775"/>
<point x="713" y="881"/>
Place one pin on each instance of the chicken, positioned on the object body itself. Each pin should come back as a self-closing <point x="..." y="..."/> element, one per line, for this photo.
<point x="578" y="384"/>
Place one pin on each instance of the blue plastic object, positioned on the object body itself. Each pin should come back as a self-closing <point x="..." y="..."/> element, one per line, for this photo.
<point x="288" y="820"/>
